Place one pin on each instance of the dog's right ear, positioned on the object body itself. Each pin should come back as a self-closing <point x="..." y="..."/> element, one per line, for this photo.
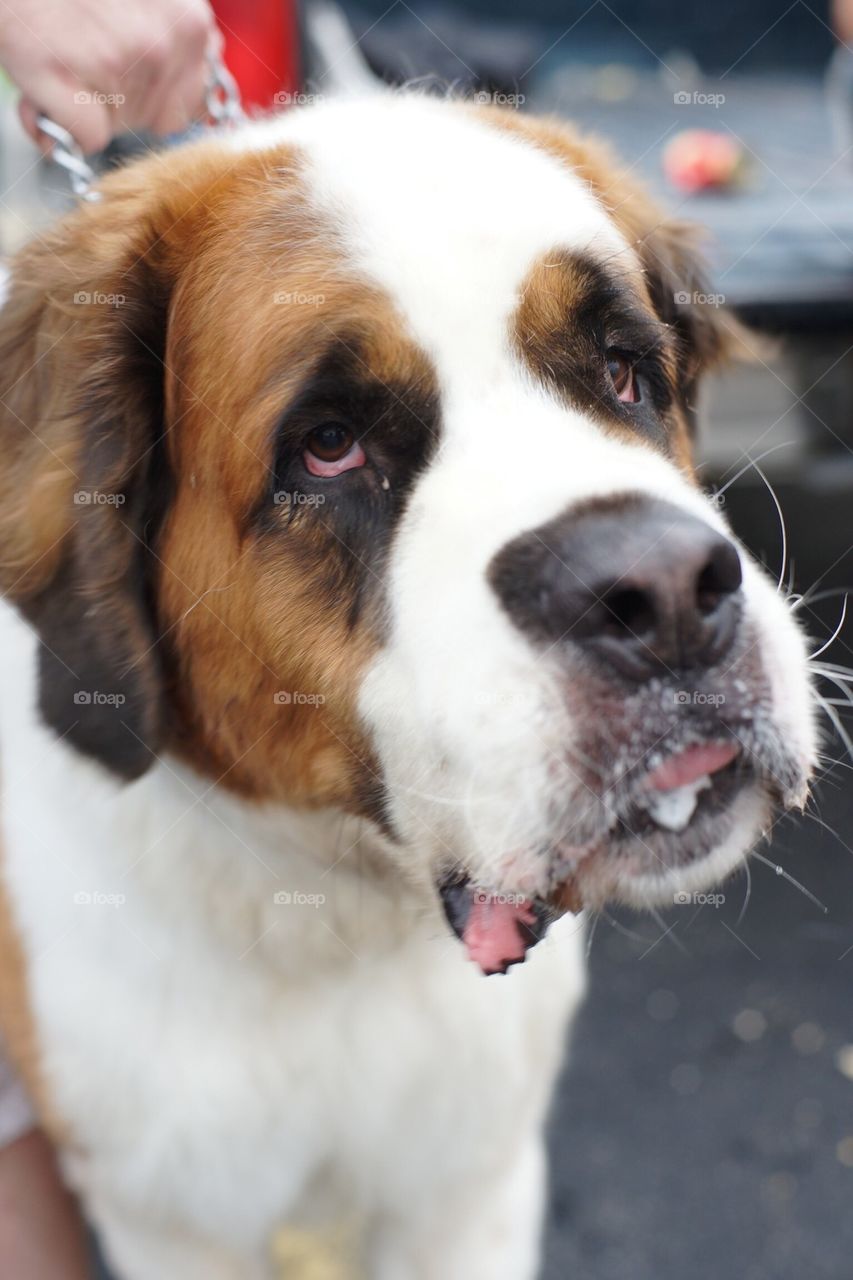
<point x="83" y="480"/>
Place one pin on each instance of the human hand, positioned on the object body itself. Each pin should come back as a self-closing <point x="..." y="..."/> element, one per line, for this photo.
<point x="99" y="66"/>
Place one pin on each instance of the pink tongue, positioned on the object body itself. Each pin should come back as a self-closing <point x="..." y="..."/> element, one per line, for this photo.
<point x="690" y="764"/>
<point x="492" y="935"/>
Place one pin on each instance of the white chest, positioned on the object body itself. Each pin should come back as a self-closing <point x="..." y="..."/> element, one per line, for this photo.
<point x="238" y="1023"/>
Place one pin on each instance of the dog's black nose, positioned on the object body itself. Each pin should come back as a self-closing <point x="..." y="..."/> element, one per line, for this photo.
<point x="634" y="580"/>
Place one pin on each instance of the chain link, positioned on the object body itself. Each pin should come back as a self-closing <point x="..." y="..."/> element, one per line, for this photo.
<point x="68" y="154"/>
<point x="222" y="97"/>
<point x="222" y="104"/>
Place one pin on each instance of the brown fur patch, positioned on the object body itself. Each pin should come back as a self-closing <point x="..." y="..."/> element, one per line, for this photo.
<point x="567" y="309"/>
<point x="225" y="290"/>
<point x="667" y="249"/>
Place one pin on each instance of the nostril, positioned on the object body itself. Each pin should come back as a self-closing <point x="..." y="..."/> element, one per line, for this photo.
<point x="636" y="583"/>
<point x="720" y="577"/>
<point x="630" y="612"/>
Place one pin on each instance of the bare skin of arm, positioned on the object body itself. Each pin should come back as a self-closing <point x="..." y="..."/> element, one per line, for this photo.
<point x="41" y="1234"/>
<point x="842" y="20"/>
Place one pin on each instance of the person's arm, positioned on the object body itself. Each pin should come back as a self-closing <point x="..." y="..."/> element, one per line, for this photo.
<point x="41" y="1234"/>
<point x="97" y="66"/>
<point x="841" y="12"/>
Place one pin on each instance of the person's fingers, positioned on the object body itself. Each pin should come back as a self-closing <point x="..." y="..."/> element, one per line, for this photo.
<point x="83" y="113"/>
<point x="136" y="102"/>
<point x="156" y="84"/>
<point x="178" y="97"/>
<point x="27" y="113"/>
<point x="184" y="103"/>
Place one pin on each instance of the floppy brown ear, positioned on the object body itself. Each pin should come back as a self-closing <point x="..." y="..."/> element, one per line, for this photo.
<point x="683" y="296"/>
<point x="82" y="472"/>
<point x="680" y="288"/>
<point x="669" y="250"/>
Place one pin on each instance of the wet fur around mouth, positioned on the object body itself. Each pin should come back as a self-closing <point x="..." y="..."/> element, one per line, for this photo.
<point x="599" y="817"/>
<point x="634" y="846"/>
<point x="632" y="731"/>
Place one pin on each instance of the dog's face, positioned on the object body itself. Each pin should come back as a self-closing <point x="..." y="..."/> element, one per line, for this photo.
<point x="363" y="477"/>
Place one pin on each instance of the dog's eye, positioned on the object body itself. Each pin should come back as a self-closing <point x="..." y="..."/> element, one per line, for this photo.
<point x="331" y="449"/>
<point x="623" y="377"/>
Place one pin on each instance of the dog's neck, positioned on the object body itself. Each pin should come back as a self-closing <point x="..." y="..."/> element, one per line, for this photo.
<point x="294" y="890"/>
<point x="273" y="883"/>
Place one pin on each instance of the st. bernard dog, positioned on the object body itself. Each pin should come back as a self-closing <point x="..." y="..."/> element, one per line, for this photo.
<point x="369" y="622"/>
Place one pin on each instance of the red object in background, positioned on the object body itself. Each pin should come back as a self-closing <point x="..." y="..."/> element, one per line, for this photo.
<point x="703" y="160"/>
<point x="261" y="47"/>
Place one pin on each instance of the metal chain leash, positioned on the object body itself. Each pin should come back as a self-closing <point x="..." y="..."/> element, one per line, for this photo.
<point x="222" y="96"/>
<point x="68" y="155"/>
<point x="222" y="104"/>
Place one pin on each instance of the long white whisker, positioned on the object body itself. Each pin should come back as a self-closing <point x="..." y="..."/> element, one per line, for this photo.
<point x="833" y="715"/>
<point x="808" y="598"/>
<point x="784" y="530"/>
<point x="780" y="871"/>
<point x="785" y="444"/>
<point x="834" y="669"/>
<point x="839" y="684"/>
<point x="592" y="928"/>
<point x="829" y="762"/>
<point x="834" y="635"/>
<point x="748" y="894"/>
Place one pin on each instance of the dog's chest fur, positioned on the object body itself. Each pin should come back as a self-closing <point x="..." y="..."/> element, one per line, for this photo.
<point x="239" y="1021"/>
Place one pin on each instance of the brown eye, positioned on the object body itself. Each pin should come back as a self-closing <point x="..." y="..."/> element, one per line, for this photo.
<point x="331" y="449"/>
<point x="621" y="373"/>
<point x="330" y="441"/>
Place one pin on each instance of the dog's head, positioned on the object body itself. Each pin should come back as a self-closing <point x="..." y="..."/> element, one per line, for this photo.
<point x="349" y="458"/>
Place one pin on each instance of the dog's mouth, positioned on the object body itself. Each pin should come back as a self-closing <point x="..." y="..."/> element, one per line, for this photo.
<point x="496" y="929"/>
<point x="673" y="813"/>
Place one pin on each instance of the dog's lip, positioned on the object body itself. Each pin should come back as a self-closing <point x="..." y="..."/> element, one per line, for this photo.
<point x="719" y="766"/>
<point x="496" y="929"/>
<point x="499" y="928"/>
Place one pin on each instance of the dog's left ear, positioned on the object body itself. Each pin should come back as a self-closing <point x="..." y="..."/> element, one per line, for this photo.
<point x="82" y="473"/>
<point x="708" y="335"/>
<point x="669" y="250"/>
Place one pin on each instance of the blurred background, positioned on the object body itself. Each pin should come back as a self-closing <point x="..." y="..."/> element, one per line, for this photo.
<point x="704" y="1124"/>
